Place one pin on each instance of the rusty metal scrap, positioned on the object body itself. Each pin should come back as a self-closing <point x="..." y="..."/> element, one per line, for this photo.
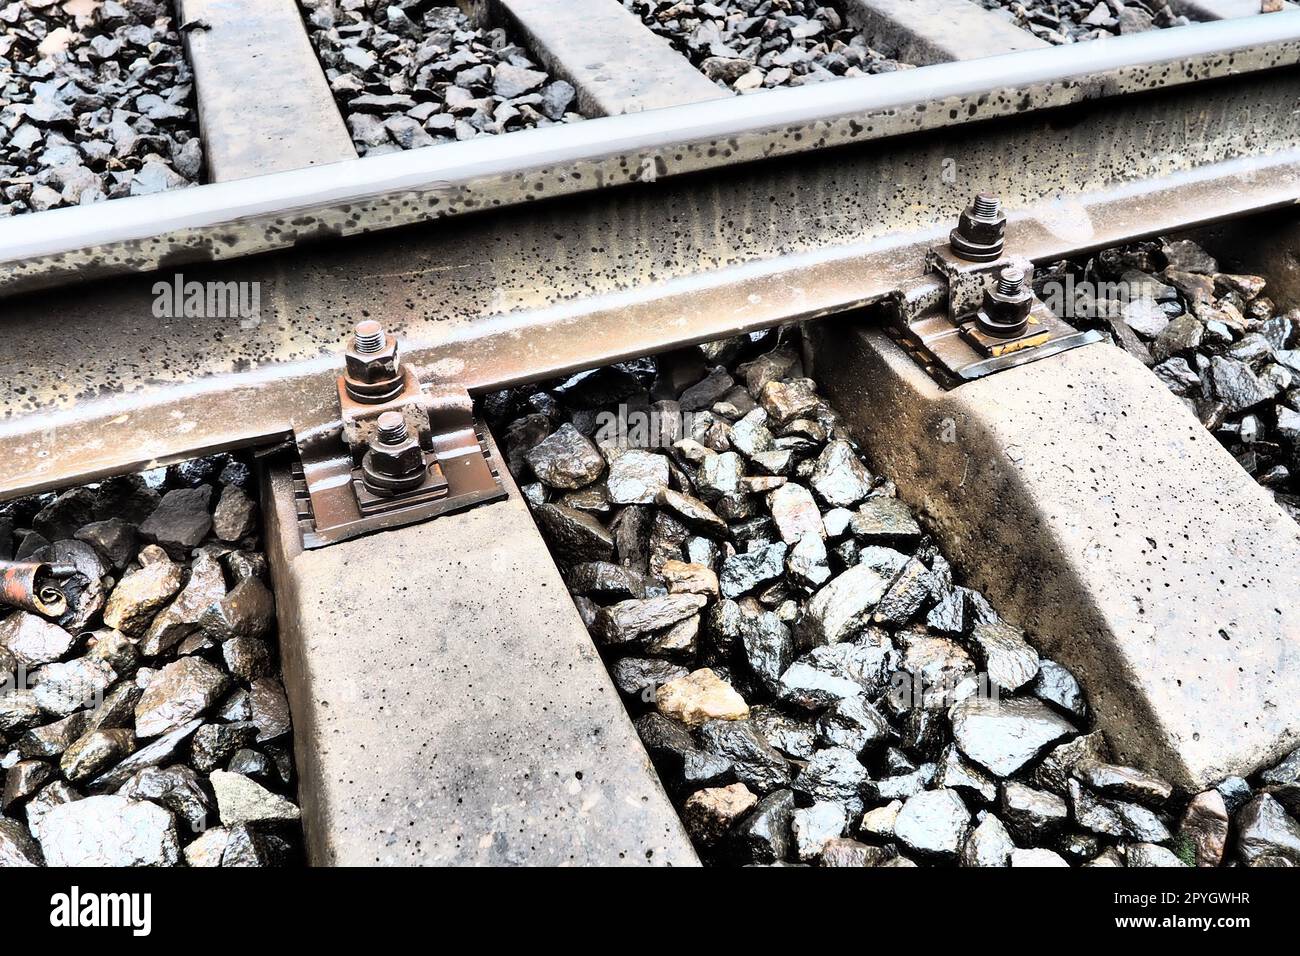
<point x="33" y="586"/>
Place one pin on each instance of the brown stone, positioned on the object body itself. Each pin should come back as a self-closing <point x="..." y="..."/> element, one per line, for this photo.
<point x="698" y="697"/>
<point x="710" y="814"/>
<point x="1205" y="827"/>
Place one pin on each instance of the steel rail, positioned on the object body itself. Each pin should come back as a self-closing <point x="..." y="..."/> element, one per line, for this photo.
<point x="136" y="431"/>
<point x="281" y="210"/>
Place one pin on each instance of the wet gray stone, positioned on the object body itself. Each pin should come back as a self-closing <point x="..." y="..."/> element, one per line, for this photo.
<point x="1182" y="335"/>
<point x="33" y="640"/>
<point x="750" y="435"/>
<point x="933" y="824"/>
<point x="566" y="459"/>
<point x="51" y="740"/>
<point x="768" y="647"/>
<point x="248" y="658"/>
<point x="117" y="710"/>
<point x="177" y="788"/>
<point x="704" y="393"/>
<point x="692" y="512"/>
<point x="109" y="831"/>
<point x="765" y="835"/>
<point x="177" y="694"/>
<point x="63" y="687"/>
<point x="1266" y="832"/>
<point x="113" y="538"/>
<point x="235" y="516"/>
<point x="989" y="844"/>
<point x="1030" y="815"/>
<point x="94" y="752"/>
<point x="854" y="724"/>
<point x="1092" y="814"/>
<point x="181" y="618"/>
<point x="214" y="744"/>
<point x="1054" y="770"/>
<point x="1007" y="657"/>
<point x="908" y="593"/>
<point x="828" y="674"/>
<point x="683" y="764"/>
<point x="719" y="475"/>
<point x="885" y="521"/>
<point x="22" y="780"/>
<point x="1141" y="823"/>
<point x="795" y="513"/>
<point x="954" y="772"/>
<point x="754" y="761"/>
<point x="269" y="709"/>
<point x="742" y="573"/>
<point x="813" y="826"/>
<point x="1151" y="855"/>
<point x="793" y="737"/>
<point x="1057" y="686"/>
<point x="941" y="669"/>
<point x="633" y="619"/>
<point x="247" y="611"/>
<point x="636" y="477"/>
<point x="808" y="562"/>
<point x="1002" y="736"/>
<point x="17" y="848"/>
<point x="843" y="607"/>
<point x="18" y="711"/>
<point x="1286" y="771"/>
<point x="1125" y="783"/>
<point x="839" y="478"/>
<point x="574" y="536"/>
<point x="180" y="521"/>
<point x="1237" y="386"/>
<point x="833" y="773"/>
<point x="639" y="676"/>
<point x="141" y="592"/>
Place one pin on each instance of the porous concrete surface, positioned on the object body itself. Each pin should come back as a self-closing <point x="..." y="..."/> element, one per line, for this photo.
<point x="937" y="31"/>
<point x="613" y="60"/>
<point x="456" y="713"/>
<point x="1133" y="545"/>
<point x="264" y="104"/>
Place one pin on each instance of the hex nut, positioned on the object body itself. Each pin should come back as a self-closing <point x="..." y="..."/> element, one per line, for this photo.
<point x="395" y="461"/>
<point x="374" y="367"/>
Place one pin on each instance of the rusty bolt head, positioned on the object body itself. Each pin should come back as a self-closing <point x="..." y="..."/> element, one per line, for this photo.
<point x="980" y="232"/>
<point x="371" y="368"/>
<point x="1007" y="304"/>
<point x="399" y="459"/>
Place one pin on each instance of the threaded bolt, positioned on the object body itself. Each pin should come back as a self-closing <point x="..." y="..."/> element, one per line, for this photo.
<point x="392" y="428"/>
<point x="368" y="337"/>
<point x="1011" y="280"/>
<point x="987" y="206"/>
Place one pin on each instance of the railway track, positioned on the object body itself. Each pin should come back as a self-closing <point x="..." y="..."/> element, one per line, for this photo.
<point x="614" y="184"/>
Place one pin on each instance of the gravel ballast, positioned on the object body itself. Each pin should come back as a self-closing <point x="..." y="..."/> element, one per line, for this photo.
<point x="1214" y="338"/>
<point x="1069" y="21"/>
<point x="748" y="45"/>
<point x="413" y="74"/>
<point x="147" y="726"/>
<point x="96" y="102"/>
<point x="807" y="673"/>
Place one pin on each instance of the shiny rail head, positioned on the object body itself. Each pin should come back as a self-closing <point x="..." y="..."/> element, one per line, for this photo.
<point x="276" y="211"/>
